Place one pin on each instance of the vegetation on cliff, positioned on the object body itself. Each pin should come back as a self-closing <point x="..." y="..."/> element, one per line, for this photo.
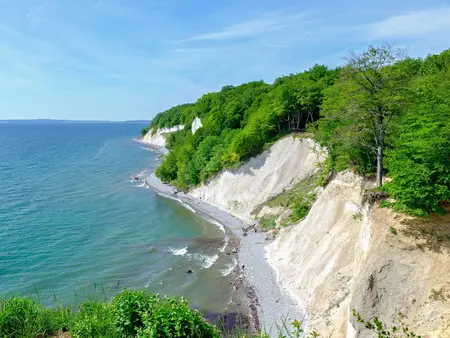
<point x="382" y="113"/>
<point x="140" y="314"/>
<point x="238" y="122"/>
<point x="402" y="108"/>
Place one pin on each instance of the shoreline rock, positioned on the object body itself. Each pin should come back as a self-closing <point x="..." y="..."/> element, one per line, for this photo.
<point x="257" y="290"/>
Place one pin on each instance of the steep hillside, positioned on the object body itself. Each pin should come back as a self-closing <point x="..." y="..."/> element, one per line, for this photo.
<point x="381" y="113"/>
<point x="344" y="256"/>
<point x="287" y="162"/>
<point x="158" y="138"/>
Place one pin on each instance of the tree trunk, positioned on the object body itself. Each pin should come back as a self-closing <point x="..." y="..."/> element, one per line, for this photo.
<point x="380" y="166"/>
<point x="380" y="158"/>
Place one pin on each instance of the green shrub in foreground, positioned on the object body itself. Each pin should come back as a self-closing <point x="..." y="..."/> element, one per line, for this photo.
<point x="129" y="307"/>
<point x="144" y="315"/>
<point x="172" y="317"/>
<point x="94" y="319"/>
<point x="23" y="317"/>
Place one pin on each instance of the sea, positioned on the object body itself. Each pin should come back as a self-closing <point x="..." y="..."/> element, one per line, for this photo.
<point x="73" y="221"/>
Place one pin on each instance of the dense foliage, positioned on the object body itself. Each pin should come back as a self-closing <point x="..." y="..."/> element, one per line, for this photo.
<point x="145" y="315"/>
<point x="238" y="122"/>
<point x="416" y="132"/>
<point x="129" y="314"/>
<point x="381" y="113"/>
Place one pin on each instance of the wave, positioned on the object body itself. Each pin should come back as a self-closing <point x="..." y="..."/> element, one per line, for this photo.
<point x="187" y="206"/>
<point x="206" y="261"/>
<point x="178" y="252"/>
<point x="100" y="151"/>
<point x="181" y="202"/>
<point x="226" y="239"/>
<point x="143" y="173"/>
<point x="225" y="244"/>
<point x="230" y="268"/>
<point x="221" y="227"/>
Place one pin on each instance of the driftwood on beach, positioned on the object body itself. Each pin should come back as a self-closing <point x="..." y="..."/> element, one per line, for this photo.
<point x="250" y="227"/>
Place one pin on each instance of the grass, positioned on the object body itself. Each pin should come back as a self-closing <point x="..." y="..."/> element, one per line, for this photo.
<point x="268" y="222"/>
<point x="302" y="189"/>
<point x="128" y="314"/>
<point x="134" y="314"/>
<point x="298" y="200"/>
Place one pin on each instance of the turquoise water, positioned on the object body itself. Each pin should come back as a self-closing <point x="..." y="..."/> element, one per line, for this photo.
<point x="70" y="217"/>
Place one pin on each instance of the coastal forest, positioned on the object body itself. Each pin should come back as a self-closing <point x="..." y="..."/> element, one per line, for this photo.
<point x="382" y="114"/>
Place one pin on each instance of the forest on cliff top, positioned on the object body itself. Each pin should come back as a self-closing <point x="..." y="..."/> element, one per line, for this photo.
<point x="381" y="114"/>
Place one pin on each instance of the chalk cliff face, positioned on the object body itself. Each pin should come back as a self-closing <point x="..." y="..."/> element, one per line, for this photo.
<point x="287" y="162"/>
<point x="343" y="255"/>
<point x="158" y="138"/>
<point x="196" y="125"/>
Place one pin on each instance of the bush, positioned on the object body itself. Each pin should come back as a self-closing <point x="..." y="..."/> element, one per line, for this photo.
<point x="167" y="171"/>
<point x="171" y="317"/>
<point x="23" y="317"/>
<point x="145" y="130"/>
<point x="268" y="222"/>
<point x="147" y="315"/>
<point x="94" y="319"/>
<point x="299" y="209"/>
<point x="128" y="308"/>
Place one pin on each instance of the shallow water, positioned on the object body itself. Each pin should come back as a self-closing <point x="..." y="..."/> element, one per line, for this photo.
<point x="70" y="216"/>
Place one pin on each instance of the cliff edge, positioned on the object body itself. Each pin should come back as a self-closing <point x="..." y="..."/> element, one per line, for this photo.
<point x="287" y="162"/>
<point x="158" y="138"/>
<point x="344" y="255"/>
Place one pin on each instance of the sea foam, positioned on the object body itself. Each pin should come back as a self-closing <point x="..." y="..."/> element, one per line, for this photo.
<point x="178" y="252"/>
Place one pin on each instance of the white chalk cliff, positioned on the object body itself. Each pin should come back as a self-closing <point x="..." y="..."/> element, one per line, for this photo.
<point x="286" y="163"/>
<point x="196" y="125"/>
<point x="158" y="138"/>
<point x="342" y="255"/>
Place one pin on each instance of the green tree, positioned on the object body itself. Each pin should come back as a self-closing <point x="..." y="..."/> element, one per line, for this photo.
<point x="419" y="159"/>
<point x="376" y="93"/>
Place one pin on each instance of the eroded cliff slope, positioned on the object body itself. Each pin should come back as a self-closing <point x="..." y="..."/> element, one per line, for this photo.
<point x="158" y="138"/>
<point x="344" y="255"/>
<point x="287" y="162"/>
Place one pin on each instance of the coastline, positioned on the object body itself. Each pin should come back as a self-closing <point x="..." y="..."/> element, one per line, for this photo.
<point x="257" y="290"/>
<point x="162" y="150"/>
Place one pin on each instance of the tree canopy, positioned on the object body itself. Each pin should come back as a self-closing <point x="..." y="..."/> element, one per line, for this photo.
<point x="237" y="123"/>
<point x="381" y="111"/>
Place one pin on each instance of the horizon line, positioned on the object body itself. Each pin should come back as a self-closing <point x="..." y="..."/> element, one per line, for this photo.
<point x="70" y="120"/>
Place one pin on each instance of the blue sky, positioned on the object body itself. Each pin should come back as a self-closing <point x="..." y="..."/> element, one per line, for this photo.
<point x="130" y="59"/>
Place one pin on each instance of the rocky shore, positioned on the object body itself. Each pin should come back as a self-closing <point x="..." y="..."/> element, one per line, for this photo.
<point x="257" y="292"/>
